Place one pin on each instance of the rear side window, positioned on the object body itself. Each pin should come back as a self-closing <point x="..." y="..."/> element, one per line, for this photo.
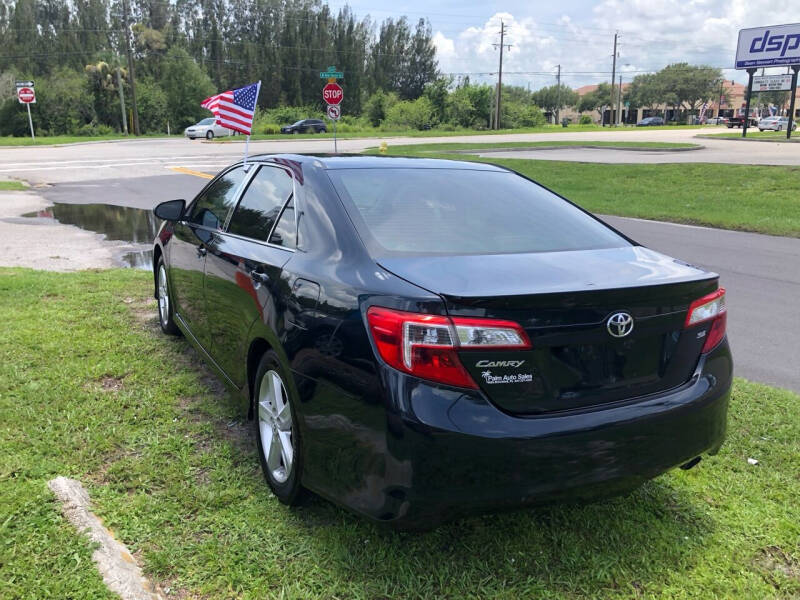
<point x="285" y="232"/>
<point x="261" y="203"/>
<point x="212" y="207"/>
<point x="454" y="211"/>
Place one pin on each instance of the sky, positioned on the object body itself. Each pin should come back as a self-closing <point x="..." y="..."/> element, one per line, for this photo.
<point x="579" y="35"/>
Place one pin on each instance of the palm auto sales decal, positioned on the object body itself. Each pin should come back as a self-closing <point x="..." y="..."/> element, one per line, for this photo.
<point x="514" y="378"/>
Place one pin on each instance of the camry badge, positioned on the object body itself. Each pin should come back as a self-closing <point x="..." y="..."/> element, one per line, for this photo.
<point x="619" y="324"/>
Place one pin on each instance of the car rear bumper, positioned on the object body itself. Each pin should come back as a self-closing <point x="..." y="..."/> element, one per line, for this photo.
<point x="448" y="452"/>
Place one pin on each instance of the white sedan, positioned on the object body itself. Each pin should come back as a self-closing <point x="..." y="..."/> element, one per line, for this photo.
<point x="208" y="129"/>
<point x="775" y="124"/>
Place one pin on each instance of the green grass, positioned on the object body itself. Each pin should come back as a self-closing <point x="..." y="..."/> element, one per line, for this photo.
<point x="90" y="389"/>
<point x="11" y="186"/>
<point x="69" y="139"/>
<point x="754" y="133"/>
<point x="762" y="199"/>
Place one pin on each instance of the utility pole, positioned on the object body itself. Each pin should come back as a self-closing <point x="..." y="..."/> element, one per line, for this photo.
<point x="613" y="76"/>
<point x="130" y="66"/>
<point x="500" y="73"/>
<point x="558" y="94"/>
<point x="619" y="102"/>
<point x="122" y="102"/>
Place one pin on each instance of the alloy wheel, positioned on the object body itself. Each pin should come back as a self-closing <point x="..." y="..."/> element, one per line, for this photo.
<point x="163" y="295"/>
<point x="275" y="426"/>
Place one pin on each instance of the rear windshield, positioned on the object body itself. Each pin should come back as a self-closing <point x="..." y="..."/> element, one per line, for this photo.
<point x="455" y="211"/>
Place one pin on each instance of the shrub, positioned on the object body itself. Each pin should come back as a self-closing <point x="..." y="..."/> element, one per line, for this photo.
<point x="13" y="119"/>
<point x="519" y="114"/>
<point x="411" y="114"/>
<point x="286" y="115"/>
<point x="93" y="129"/>
<point x="268" y="128"/>
<point x="378" y="105"/>
<point x="585" y="120"/>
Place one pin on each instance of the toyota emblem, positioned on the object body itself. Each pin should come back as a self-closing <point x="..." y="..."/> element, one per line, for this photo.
<point x="619" y="324"/>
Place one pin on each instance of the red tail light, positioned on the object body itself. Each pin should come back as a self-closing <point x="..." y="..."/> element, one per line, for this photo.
<point x="709" y="308"/>
<point x="426" y="345"/>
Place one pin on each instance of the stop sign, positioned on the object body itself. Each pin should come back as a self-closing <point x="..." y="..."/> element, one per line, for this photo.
<point x="26" y="95"/>
<point x="332" y="93"/>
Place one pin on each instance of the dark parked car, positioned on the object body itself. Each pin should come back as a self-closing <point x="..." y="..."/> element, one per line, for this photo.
<point x="421" y="338"/>
<point x="650" y="121"/>
<point x="306" y="126"/>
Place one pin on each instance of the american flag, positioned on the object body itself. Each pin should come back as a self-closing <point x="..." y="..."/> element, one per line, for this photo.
<point x="235" y="109"/>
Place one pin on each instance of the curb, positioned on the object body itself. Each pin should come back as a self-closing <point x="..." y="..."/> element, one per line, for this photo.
<point x="741" y="139"/>
<point x="569" y="146"/>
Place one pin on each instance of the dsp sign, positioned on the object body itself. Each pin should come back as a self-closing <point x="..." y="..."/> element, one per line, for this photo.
<point x="773" y="45"/>
<point x="332" y="93"/>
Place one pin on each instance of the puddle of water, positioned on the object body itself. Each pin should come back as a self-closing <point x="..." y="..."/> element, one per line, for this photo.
<point x="134" y="225"/>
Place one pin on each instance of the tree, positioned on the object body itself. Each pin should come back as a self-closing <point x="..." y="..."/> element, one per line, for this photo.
<point x="401" y="62"/>
<point x="687" y="85"/>
<point x="186" y="86"/>
<point x="555" y="97"/>
<point x="598" y="99"/>
<point x="437" y="91"/>
<point x="468" y="105"/>
<point x="645" y="91"/>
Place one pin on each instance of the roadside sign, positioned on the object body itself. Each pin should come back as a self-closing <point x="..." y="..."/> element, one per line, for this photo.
<point x="331" y="73"/>
<point x="26" y="95"/>
<point x="772" y="83"/>
<point x="334" y="112"/>
<point x="21" y="84"/>
<point x="332" y="93"/>
<point x="770" y="46"/>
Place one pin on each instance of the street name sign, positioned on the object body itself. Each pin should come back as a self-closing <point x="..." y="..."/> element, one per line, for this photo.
<point x="331" y="73"/>
<point x="771" y="46"/>
<point x="772" y="83"/>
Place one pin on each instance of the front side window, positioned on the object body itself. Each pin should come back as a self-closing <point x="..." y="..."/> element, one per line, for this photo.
<point x="261" y="203"/>
<point x="461" y="211"/>
<point x="211" y="208"/>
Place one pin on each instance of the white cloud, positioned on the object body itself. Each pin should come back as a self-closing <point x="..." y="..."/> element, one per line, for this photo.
<point x="653" y="33"/>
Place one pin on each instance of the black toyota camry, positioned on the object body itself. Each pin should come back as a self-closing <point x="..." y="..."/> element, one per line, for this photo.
<point x="420" y="339"/>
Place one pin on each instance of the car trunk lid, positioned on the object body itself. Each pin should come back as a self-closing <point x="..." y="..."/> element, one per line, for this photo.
<point x="564" y="301"/>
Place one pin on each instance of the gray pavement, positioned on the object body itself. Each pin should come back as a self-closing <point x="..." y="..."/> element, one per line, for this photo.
<point x="761" y="274"/>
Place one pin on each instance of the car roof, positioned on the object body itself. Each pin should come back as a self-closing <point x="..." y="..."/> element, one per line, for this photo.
<point x="360" y="161"/>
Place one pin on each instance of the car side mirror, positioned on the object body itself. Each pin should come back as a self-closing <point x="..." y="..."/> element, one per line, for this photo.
<point x="171" y="210"/>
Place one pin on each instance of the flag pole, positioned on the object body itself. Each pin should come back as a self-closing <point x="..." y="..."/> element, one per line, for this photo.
<point x="247" y="140"/>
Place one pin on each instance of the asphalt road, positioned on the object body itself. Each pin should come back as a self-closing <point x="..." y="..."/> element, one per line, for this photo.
<point x="147" y="157"/>
<point x="761" y="273"/>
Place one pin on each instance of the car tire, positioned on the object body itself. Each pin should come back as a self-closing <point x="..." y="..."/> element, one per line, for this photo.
<point x="275" y="423"/>
<point x="209" y="135"/>
<point x="166" y="312"/>
<point x="780" y="128"/>
<point x="191" y="138"/>
<point x="760" y="129"/>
